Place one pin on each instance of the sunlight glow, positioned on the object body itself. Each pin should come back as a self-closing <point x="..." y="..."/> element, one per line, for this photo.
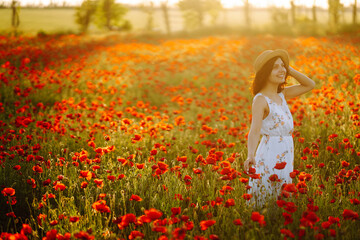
<point x="226" y="3"/>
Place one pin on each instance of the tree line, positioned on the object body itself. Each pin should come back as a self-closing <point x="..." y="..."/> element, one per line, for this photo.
<point x="107" y="14"/>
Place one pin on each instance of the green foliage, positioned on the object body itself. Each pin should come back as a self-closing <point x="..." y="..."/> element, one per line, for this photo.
<point x="149" y="11"/>
<point x="85" y="13"/>
<point x="194" y="12"/>
<point x="15" y="19"/>
<point x="109" y="15"/>
<point x="335" y="9"/>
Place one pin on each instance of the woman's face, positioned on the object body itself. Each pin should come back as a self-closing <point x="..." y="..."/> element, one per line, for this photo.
<point x="278" y="72"/>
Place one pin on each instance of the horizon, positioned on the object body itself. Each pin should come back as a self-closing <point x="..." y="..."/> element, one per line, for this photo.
<point x="228" y="4"/>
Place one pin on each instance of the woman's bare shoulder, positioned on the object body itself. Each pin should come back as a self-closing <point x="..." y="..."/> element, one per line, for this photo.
<point x="259" y="101"/>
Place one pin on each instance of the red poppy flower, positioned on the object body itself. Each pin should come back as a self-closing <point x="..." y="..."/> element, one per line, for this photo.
<point x="159" y="229"/>
<point x="140" y="166"/>
<point x="350" y="214"/>
<point x="287" y="233"/>
<point x="247" y="196"/>
<point x="280" y="165"/>
<point x="26" y="229"/>
<point x="229" y="203"/>
<point x="101" y="206"/>
<point x="244" y="180"/>
<point x="288" y="218"/>
<point x="153" y="152"/>
<point x="274" y="177"/>
<point x="59" y="186"/>
<point x="126" y="220"/>
<point x="345" y="163"/>
<point x="83" y="236"/>
<point x="153" y="214"/>
<point x="175" y="211"/>
<point x="321" y="165"/>
<point x="11" y="214"/>
<point x="179" y="233"/>
<point x="197" y="170"/>
<point x="326" y="224"/>
<point x="182" y="159"/>
<point x="290" y="207"/>
<point x="37" y="169"/>
<point x="290" y="187"/>
<point x="74" y="219"/>
<point x="187" y="179"/>
<point x="280" y="203"/>
<point x="206" y="224"/>
<point x="99" y="183"/>
<point x="85" y="174"/>
<point x="257" y="217"/>
<point x="135" y="198"/>
<point x="238" y="222"/>
<point x="162" y="166"/>
<point x="8" y="192"/>
<point x="17" y="167"/>
<point x="355" y="201"/>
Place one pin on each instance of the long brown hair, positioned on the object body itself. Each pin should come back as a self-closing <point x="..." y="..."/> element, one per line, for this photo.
<point x="262" y="76"/>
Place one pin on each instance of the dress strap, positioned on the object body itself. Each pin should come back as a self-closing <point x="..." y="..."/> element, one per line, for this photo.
<point x="267" y="99"/>
<point x="282" y="97"/>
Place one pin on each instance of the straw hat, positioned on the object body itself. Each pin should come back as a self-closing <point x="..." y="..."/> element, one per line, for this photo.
<point x="267" y="55"/>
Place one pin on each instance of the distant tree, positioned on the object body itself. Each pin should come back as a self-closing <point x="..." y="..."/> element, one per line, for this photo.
<point x="354" y="12"/>
<point x="314" y="18"/>
<point x="247" y="13"/>
<point x="293" y="12"/>
<point x="164" y="8"/>
<point x="109" y="15"/>
<point x="15" y="19"/>
<point x="149" y="10"/>
<point x="335" y="8"/>
<point x="85" y="13"/>
<point x="195" y="10"/>
<point x="213" y="7"/>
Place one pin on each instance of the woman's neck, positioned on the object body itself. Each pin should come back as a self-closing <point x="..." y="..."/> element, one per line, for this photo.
<point x="270" y="89"/>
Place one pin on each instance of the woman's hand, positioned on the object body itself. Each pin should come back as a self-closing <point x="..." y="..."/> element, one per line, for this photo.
<point x="249" y="161"/>
<point x="291" y="70"/>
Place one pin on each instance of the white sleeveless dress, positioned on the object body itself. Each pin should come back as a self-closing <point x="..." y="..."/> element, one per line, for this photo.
<point x="276" y="146"/>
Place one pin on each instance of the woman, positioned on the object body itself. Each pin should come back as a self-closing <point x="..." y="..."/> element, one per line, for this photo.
<point x="271" y="118"/>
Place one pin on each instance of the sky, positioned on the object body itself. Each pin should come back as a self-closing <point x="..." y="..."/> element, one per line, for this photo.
<point x="226" y="3"/>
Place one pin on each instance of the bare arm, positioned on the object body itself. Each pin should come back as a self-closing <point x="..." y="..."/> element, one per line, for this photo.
<point x="258" y="108"/>
<point x="306" y="84"/>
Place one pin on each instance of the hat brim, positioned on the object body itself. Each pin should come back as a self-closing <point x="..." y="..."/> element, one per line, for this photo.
<point x="259" y="63"/>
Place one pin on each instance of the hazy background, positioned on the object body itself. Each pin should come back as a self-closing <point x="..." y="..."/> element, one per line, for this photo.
<point x="52" y="16"/>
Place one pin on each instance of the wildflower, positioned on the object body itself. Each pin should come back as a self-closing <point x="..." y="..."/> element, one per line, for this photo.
<point x="287" y="233"/>
<point x="257" y="217"/>
<point x="153" y="214"/>
<point x="59" y="186"/>
<point x="74" y="219"/>
<point x="206" y="224"/>
<point x="135" y="198"/>
<point x="83" y="236"/>
<point x="280" y="165"/>
<point x="238" y="222"/>
<point x="8" y="192"/>
<point x="350" y="215"/>
<point x="175" y="211"/>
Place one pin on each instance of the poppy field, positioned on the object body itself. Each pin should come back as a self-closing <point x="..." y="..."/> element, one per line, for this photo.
<point x="121" y="138"/>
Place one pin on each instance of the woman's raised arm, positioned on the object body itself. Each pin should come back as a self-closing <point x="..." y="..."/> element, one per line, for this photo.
<point x="306" y="84"/>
